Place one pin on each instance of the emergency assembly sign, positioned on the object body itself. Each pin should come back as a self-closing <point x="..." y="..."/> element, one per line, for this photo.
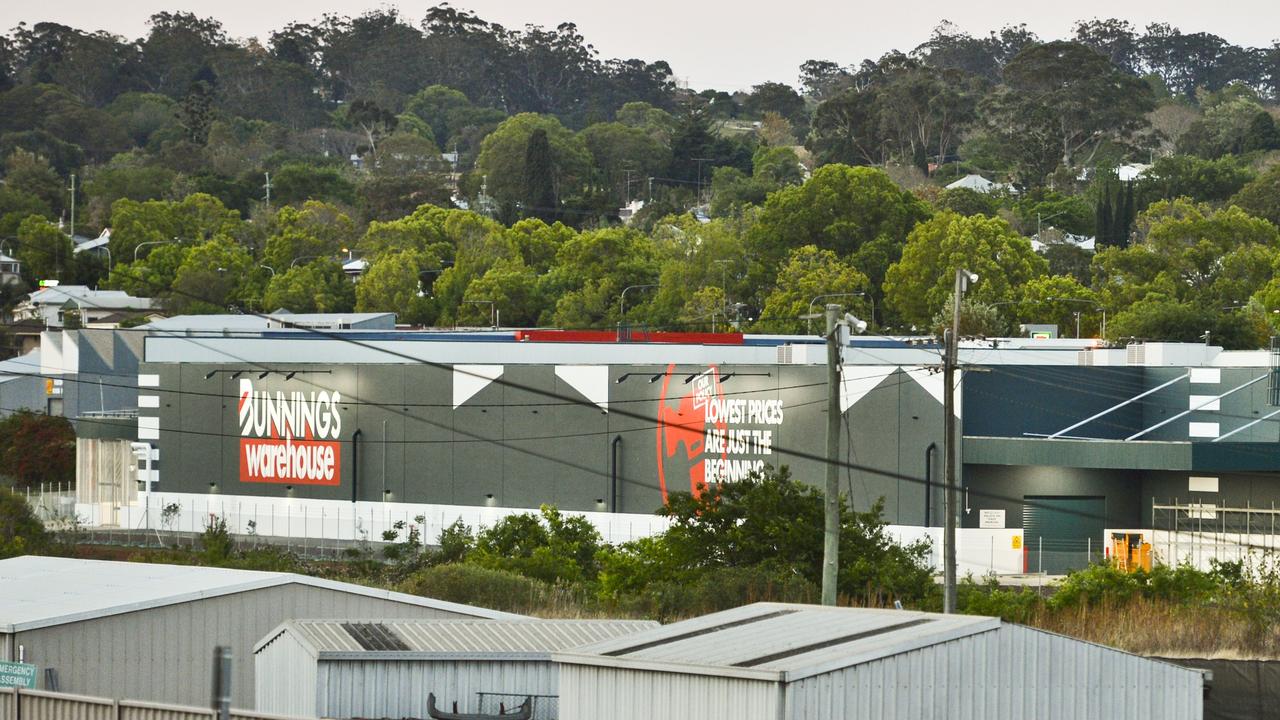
<point x="290" y="438"/>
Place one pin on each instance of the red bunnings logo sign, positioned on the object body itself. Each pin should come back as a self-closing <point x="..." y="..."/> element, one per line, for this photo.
<point x="291" y="437"/>
<point x="706" y="437"/>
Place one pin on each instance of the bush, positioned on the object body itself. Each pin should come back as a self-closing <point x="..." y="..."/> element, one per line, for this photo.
<point x="990" y="599"/>
<point x="486" y="587"/>
<point x="21" y="532"/>
<point x="37" y="448"/>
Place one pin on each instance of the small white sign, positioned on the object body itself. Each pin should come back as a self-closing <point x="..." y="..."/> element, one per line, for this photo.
<point x="991" y="518"/>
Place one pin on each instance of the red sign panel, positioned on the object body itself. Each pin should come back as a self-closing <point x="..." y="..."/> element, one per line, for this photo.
<point x="289" y="461"/>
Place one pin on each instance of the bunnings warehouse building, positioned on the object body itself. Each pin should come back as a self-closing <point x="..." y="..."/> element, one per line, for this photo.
<point x="1062" y="441"/>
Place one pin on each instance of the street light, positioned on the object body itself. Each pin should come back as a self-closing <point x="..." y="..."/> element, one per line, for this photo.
<point x="304" y="257"/>
<point x="809" y="316"/>
<point x="964" y="279"/>
<point x="150" y="242"/>
<point x="622" y="301"/>
<point x="270" y="269"/>
<point x="1103" y="329"/>
<point x="831" y="501"/>
<point x="1040" y="221"/>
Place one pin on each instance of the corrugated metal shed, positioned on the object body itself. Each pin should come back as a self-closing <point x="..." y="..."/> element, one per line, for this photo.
<point x="387" y="668"/>
<point x="147" y="631"/>
<point x="38" y="592"/>
<point x="808" y="662"/>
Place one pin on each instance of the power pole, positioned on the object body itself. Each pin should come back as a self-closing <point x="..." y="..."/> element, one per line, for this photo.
<point x="951" y="497"/>
<point x="73" y="207"/>
<point x="831" y="531"/>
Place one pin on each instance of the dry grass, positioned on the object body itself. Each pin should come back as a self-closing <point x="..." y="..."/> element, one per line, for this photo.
<point x="1153" y="627"/>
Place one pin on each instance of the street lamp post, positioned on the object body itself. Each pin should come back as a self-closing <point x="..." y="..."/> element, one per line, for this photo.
<point x="150" y="242"/>
<point x="964" y="279"/>
<point x="1101" y="330"/>
<point x="808" y="317"/>
<point x="622" y="301"/>
<point x="269" y="269"/>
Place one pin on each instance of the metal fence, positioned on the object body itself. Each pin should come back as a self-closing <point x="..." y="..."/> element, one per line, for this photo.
<point x="545" y="707"/>
<point x="1200" y="533"/>
<point x="16" y="704"/>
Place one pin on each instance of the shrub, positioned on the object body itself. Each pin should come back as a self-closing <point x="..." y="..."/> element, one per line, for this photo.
<point x="21" y="532"/>
<point x="473" y="585"/>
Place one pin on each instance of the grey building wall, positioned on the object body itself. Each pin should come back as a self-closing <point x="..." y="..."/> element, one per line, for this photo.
<point x="588" y="692"/>
<point x="165" y="653"/>
<point x="521" y="443"/>
<point x="1003" y="487"/>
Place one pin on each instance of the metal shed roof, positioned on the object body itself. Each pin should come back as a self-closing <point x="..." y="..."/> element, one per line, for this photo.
<point x="773" y="641"/>
<point x="39" y="592"/>
<point x="402" y="639"/>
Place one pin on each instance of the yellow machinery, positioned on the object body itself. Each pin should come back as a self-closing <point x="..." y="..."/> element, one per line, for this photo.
<point x="1130" y="553"/>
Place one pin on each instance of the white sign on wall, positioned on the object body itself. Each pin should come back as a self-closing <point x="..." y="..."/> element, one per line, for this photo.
<point x="990" y="518"/>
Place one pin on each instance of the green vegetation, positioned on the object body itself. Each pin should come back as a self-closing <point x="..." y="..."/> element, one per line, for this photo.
<point x="239" y="177"/>
<point x="36" y="448"/>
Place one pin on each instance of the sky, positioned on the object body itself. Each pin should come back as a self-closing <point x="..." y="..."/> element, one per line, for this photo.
<point x="709" y="43"/>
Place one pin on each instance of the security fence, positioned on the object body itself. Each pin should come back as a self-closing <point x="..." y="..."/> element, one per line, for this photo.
<point x="1200" y="533"/>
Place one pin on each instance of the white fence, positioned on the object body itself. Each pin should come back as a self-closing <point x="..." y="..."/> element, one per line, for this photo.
<point x="314" y="522"/>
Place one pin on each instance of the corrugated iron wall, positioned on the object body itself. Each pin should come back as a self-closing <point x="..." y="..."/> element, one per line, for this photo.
<point x="377" y="688"/>
<point x="164" y="654"/>
<point x="285" y="677"/>
<point x="1007" y="673"/>
<point x="593" y="693"/>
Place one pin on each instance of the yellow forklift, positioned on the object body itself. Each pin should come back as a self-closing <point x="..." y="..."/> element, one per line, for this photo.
<point x="1129" y="552"/>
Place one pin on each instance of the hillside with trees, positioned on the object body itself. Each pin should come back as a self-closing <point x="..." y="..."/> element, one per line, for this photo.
<point x="474" y="166"/>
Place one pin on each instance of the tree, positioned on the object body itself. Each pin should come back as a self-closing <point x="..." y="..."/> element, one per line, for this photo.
<point x="967" y="201"/>
<point x="1191" y="177"/>
<point x="1159" y="318"/>
<point x="539" y="179"/>
<point x="854" y="212"/>
<point x="1261" y="196"/>
<point x="846" y="129"/>
<point x="735" y="528"/>
<point x="299" y="182"/>
<point x="503" y="154"/>
<point x="921" y="283"/>
<point x="195" y="113"/>
<point x="776" y="98"/>
<point x="373" y="122"/>
<point x="393" y="283"/>
<point x="590" y="272"/>
<point x="448" y="112"/>
<point x="194" y="219"/>
<point x="1114" y="39"/>
<point x="1189" y="253"/>
<point x="34" y="448"/>
<point x="315" y="230"/>
<point x="1056" y="299"/>
<point x="621" y="153"/>
<point x="977" y="319"/>
<point x="1069" y="98"/>
<point x="807" y="274"/>
<point x="212" y="277"/>
<point x="46" y="253"/>
<point x="319" y="286"/>
<point x="512" y="287"/>
<point x="29" y="173"/>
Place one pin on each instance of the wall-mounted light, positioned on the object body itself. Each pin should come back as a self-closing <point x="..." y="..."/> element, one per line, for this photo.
<point x="689" y="378"/>
<point x="656" y="378"/>
<point x="210" y="374"/>
<point x="489" y="500"/>
<point x="290" y="375"/>
<point x="264" y="374"/>
<point x="236" y="374"/>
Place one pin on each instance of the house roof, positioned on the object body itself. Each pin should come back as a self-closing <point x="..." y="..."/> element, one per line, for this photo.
<point x="92" y="299"/>
<point x="402" y="639"/>
<point x="38" y="592"/>
<point x="778" y="642"/>
<point x="24" y="366"/>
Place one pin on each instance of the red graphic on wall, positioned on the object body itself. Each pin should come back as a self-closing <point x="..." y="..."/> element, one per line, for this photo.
<point x="291" y="438"/>
<point x="682" y="429"/>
